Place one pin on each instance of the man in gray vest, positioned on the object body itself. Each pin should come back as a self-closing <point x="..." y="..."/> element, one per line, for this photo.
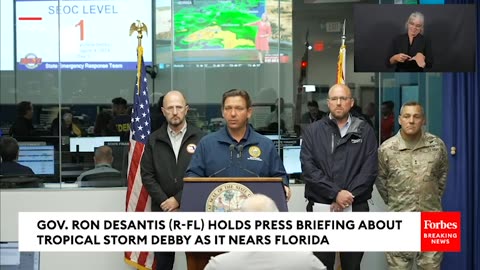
<point x="103" y="163"/>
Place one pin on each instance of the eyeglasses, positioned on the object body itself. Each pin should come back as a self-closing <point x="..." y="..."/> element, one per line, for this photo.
<point x="418" y="26"/>
<point x="342" y="99"/>
<point x="179" y="109"/>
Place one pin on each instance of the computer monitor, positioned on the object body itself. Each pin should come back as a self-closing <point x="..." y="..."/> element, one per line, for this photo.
<point x="274" y="137"/>
<point x="120" y="156"/>
<point x="291" y="159"/>
<point x="39" y="158"/>
<point x="12" y="259"/>
<point x="88" y="144"/>
<point x="32" y="143"/>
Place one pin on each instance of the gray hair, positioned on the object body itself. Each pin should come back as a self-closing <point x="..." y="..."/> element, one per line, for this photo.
<point x="259" y="203"/>
<point x="413" y="16"/>
<point x="412" y="103"/>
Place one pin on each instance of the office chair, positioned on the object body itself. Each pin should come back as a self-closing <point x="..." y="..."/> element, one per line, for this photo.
<point x="106" y="179"/>
<point x="20" y="181"/>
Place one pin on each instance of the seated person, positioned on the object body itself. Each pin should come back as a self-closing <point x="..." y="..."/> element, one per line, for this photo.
<point x="103" y="162"/>
<point x="264" y="260"/>
<point x="273" y="128"/>
<point x="9" y="155"/>
<point x="313" y="114"/>
<point x="23" y="126"/>
<point x="69" y="127"/>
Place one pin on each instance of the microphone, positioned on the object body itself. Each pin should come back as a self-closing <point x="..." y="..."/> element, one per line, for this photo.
<point x="231" y="147"/>
<point x="240" y="150"/>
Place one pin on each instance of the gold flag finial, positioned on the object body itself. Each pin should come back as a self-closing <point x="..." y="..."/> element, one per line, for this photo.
<point x="138" y="27"/>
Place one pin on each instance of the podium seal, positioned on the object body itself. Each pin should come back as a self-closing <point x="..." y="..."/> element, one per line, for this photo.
<point x="227" y="197"/>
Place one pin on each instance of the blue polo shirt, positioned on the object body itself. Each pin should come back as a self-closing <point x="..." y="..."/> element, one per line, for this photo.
<point x="219" y="155"/>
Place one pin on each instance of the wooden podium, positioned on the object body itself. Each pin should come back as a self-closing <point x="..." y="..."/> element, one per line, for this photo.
<point x="202" y="194"/>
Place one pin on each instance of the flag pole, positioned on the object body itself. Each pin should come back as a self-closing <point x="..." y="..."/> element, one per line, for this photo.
<point x="342" y="58"/>
<point x="341" y="80"/>
<point x="137" y="197"/>
<point x="139" y="27"/>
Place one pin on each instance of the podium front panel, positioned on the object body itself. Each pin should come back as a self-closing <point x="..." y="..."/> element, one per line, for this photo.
<point x="196" y="194"/>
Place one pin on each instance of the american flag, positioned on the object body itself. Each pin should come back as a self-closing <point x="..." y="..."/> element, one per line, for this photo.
<point x="138" y="199"/>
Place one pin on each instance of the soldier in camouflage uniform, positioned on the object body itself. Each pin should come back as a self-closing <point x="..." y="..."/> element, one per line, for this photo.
<point x="412" y="173"/>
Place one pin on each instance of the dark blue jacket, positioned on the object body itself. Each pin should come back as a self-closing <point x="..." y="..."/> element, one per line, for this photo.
<point x="331" y="163"/>
<point x="219" y="155"/>
<point x="14" y="168"/>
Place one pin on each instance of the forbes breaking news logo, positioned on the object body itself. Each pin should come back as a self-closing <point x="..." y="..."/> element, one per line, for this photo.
<point x="441" y="231"/>
<point x="31" y="61"/>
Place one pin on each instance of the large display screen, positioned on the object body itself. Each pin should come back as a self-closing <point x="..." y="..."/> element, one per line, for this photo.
<point x="88" y="144"/>
<point x="212" y="25"/>
<point x="229" y="33"/>
<point x="80" y="35"/>
<point x="6" y="35"/>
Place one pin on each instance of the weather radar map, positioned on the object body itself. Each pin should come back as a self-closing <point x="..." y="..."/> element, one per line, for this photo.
<point x="214" y="25"/>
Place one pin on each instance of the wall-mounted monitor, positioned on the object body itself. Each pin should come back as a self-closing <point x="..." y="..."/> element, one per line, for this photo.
<point x="309" y="88"/>
<point x="274" y="137"/>
<point x="7" y="59"/>
<point x="39" y="158"/>
<point x="222" y="34"/>
<point x="80" y="35"/>
<point x="88" y="144"/>
<point x="391" y="40"/>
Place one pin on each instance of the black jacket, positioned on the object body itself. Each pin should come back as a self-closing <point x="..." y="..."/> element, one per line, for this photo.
<point x="331" y="163"/>
<point x="22" y="127"/>
<point x="420" y="44"/>
<point x="14" y="168"/>
<point x="162" y="175"/>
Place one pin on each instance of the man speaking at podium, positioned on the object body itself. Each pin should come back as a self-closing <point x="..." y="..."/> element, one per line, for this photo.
<point x="237" y="150"/>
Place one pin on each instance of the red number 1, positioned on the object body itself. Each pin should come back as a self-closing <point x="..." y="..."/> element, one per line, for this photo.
<point x="82" y="29"/>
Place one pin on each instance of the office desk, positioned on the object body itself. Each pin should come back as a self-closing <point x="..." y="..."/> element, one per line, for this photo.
<point x="61" y="185"/>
